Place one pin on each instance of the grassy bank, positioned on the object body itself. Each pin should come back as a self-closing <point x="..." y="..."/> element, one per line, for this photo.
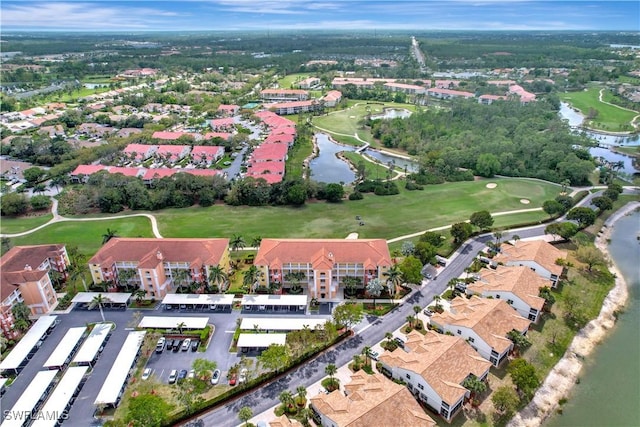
<point x="608" y="118"/>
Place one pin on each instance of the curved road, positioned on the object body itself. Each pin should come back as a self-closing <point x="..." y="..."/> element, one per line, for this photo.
<point x="369" y="332"/>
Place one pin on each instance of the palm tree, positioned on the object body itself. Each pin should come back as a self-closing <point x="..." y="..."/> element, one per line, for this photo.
<point x="251" y="278"/>
<point x="498" y="236"/>
<point x="295" y="277"/>
<point x="330" y="370"/>
<point x="255" y="241"/>
<point x="237" y="242"/>
<point x="302" y="392"/>
<point x="388" y="336"/>
<point x="515" y="238"/>
<point x="108" y="235"/>
<point x="474" y="385"/>
<point x="99" y="301"/>
<point x="351" y="283"/>
<point x="365" y="353"/>
<point x="139" y="294"/>
<point x="181" y="326"/>
<point x="181" y="277"/>
<point x="217" y="277"/>
<point x="286" y="398"/>
<point x="394" y="279"/>
<point x="409" y="320"/>
<point x="437" y="299"/>
<point x="416" y="310"/>
<point x="124" y="277"/>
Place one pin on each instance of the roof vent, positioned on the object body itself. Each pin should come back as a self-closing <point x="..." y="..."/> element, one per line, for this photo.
<point x="330" y="255"/>
<point x="27" y="267"/>
<point x="159" y="255"/>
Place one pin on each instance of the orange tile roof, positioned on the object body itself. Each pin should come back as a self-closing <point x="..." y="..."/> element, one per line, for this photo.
<point x="87" y="169"/>
<point x="539" y="251"/>
<point x="519" y="280"/>
<point x="13" y="263"/>
<point x="283" y="421"/>
<point x="172" y="250"/>
<point x="443" y="361"/>
<point x="372" y="400"/>
<point x="490" y="319"/>
<point x="340" y="250"/>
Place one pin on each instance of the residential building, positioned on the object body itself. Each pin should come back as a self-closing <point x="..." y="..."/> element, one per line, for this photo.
<point x="332" y="98"/>
<point x="446" y="84"/>
<point x="309" y="83"/>
<point x="448" y="93"/>
<point x="224" y="135"/>
<point x="82" y="172"/>
<point x="538" y="255"/>
<point x="284" y="421"/>
<point x="284" y="95"/>
<point x="484" y="323"/>
<point x="525" y="97"/>
<point x="172" y="153"/>
<point x="225" y="124"/>
<point x="324" y="263"/>
<point x="271" y="172"/>
<point x="228" y="110"/>
<point x="27" y="275"/>
<point x="207" y="155"/>
<point x="172" y="136"/>
<point x="434" y="366"/>
<point x="140" y="152"/>
<point x="273" y="121"/>
<point x="519" y="286"/>
<point x="490" y="99"/>
<point x="158" y="266"/>
<point x="294" y="107"/>
<point x="276" y="152"/>
<point x="405" y="88"/>
<point x="280" y="138"/>
<point x="369" y="400"/>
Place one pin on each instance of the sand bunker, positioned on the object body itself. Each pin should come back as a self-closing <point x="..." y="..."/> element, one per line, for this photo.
<point x="492" y="185"/>
<point x="525" y="201"/>
<point x="352" y="117"/>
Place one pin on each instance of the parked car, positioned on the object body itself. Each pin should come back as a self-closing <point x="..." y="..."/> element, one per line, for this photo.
<point x="427" y="312"/>
<point x="399" y="341"/>
<point x="191" y="374"/>
<point x="232" y="379"/>
<point x="194" y="345"/>
<point x="243" y="376"/>
<point x="215" y="378"/>
<point x="173" y="376"/>
<point x="186" y="344"/>
<point x="147" y="373"/>
<point x="182" y="375"/>
<point x="373" y="354"/>
<point x="160" y="344"/>
<point x="176" y="345"/>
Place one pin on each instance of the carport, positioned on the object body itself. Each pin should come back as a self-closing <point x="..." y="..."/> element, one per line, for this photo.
<point x="93" y="344"/>
<point x="28" y="345"/>
<point x="275" y="303"/>
<point x="65" y="348"/>
<point x="113" y="387"/>
<point x="249" y="342"/>
<point x="163" y="322"/>
<point x="211" y="302"/>
<point x="280" y="324"/>
<point x="118" y="300"/>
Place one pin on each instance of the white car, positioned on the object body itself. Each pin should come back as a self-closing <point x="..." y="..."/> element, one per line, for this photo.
<point x="147" y="373"/>
<point x="373" y="354"/>
<point x="192" y="374"/>
<point x="243" y="376"/>
<point x="186" y="344"/>
<point x="173" y="376"/>
<point x="215" y="378"/>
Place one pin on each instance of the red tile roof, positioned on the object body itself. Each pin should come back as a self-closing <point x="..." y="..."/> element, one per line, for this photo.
<point x="13" y="263"/>
<point x="256" y="170"/>
<point x="202" y="172"/>
<point x="273" y="152"/>
<point x="223" y="135"/>
<point x="87" y="169"/>
<point x="222" y="123"/>
<point x="368" y="251"/>
<point x="208" y="251"/>
<point x="282" y="138"/>
<point x="228" y="107"/>
<point x="158" y="173"/>
<point x="126" y="171"/>
<point x="207" y="150"/>
<point x="170" y="136"/>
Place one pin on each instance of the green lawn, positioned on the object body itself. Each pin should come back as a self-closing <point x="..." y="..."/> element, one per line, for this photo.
<point x="609" y="117"/>
<point x="346" y="121"/>
<point x="86" y="235"/>
<point x="384" y="216"/>
<point x="372" y="170"/>
<point x="18" y="225"/>
<point x="295" y="158"/>
<point x="288" y="81"/>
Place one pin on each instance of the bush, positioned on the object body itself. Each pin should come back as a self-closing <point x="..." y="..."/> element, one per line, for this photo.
<point x="356" y="195"/>
<point x="411" y="186"/>
<point x="331" y="384"/>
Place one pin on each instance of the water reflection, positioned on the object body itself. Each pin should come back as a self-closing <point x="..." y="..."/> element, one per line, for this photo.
<point x="392" y="113"/>
<point x="327" y="167"/>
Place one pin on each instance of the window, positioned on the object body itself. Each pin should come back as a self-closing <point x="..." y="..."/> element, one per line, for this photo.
<point x="459" y="332"/>
<point x="408" y="376"/>
<point x="420" y="386"/>
<point x="497" y="296"/>
<point x="510" y="301"/>
<point x="471" y="339"/>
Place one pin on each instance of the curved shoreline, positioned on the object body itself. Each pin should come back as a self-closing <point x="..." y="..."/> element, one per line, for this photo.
<point x="565" y="373"/>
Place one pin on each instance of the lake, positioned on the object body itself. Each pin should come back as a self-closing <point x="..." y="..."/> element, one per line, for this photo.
<point x="327" y="167"/>
<point x="609" y="389"/>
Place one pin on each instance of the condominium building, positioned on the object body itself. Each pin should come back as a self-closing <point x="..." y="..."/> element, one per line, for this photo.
<point x="369" y="400"/>
<point x="538" y="255"/>
<point x="26" y="275"/>
<point x="158" y="266"/>
<point x="320" y="265"/>
<point x="484" y="323"/>
<point x="434" y="366"/>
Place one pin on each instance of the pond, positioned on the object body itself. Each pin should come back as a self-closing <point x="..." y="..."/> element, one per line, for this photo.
<point x="392" y="113"/>
<point x="575" y="119"/>
<point x="613" y="157"/>
<point x="327" y="167"/>
<point x="410" y="165"/>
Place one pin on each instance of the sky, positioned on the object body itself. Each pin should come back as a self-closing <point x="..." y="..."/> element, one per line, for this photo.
<point x="246" y="15"/>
